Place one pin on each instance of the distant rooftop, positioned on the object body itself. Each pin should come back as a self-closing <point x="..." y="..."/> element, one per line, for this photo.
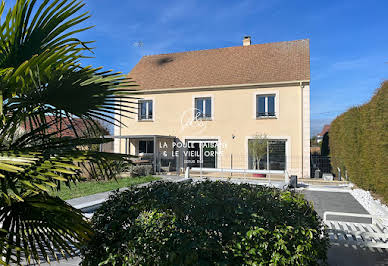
<point x="326" y="128"/>
<point x="246" y="64"/>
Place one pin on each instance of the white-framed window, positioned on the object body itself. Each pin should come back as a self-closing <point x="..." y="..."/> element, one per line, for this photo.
<point x="203" y="108"/>
<point x="266" y="105"/>
<point x="274" y="158"/>
<point x="145" y="110"/>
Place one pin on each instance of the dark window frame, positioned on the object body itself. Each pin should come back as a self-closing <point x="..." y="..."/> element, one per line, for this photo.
<point x="149" y="110"/>
<point x="267" y="113"/>
<point x="202" y="111"/>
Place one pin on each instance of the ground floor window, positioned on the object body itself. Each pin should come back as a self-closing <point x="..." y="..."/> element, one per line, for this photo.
<point x="274" y="158"/>
<point x="146" y="146"/>
<point x="201" y="153"/>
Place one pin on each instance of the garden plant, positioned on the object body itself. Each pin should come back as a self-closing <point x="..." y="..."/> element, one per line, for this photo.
<point x="41" y="75"/>
<point x="206" y="223"/>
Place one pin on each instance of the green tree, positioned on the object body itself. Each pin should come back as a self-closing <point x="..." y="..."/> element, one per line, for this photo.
<point x="258" y="149"/>
<point x="41" y="76"/>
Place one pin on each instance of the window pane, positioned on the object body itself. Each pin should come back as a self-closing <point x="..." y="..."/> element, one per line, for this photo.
<point x="254" y="161"/>
<point x="142" y="146"/>
<point x="150" y="146"/>
<point x="143" y="110"/>
<point x="260" y="105"/>
<point x="277" y="155"/>
<point x="208" y="108"/>
<point x="149" y="109"/>
<point x="193" y="155"/>
<point x="209" y="155"/>
<point x="199" y="107"/>
<point x="146" y="146"/>
<point x="271" y="105"/>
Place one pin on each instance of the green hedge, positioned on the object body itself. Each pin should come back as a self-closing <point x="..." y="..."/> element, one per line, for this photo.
<point x="208" y="223"/>
<point x="359" y="143"/>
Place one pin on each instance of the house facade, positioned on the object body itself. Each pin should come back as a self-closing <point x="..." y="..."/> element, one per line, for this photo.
<point x="201" y="109"/>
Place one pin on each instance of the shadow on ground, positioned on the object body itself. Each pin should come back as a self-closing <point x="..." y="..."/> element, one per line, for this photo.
<point x="340" y="255"/>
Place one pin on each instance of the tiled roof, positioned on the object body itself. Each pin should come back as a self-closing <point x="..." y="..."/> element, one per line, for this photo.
<point x="65" y="128"/>
<point x="259" y="63"/>
<point x="326" y="128"/>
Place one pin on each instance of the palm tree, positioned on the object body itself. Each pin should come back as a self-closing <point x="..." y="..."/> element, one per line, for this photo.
<point x="40" y="76"/>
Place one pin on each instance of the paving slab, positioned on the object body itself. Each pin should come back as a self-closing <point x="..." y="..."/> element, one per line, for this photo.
<point x="336" y="202"/>
<point x="354" y="256"/>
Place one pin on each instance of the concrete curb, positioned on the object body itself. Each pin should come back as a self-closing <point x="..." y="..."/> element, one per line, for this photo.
<point x="89" y="204"/>
<point x="105" y="195"/>
<point x="345" y="190"/>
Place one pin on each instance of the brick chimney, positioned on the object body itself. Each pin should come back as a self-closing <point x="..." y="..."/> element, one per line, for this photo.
<point x="247" y="41"/>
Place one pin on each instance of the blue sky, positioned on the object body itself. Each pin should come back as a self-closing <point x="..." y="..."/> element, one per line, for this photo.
<point x="348" y="39"/>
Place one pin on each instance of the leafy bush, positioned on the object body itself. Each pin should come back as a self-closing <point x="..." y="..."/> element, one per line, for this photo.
<point x="208" y="223"/>
<point x="140" y="170"/>
<point x="359" y="143"/>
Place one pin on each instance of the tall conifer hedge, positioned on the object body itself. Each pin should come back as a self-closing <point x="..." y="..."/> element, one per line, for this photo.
<point x="359" y="143"/>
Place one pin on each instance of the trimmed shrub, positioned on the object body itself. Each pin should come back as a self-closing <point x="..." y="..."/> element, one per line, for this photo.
<point x="359" y="143"/>
<point x="207" y="223"/>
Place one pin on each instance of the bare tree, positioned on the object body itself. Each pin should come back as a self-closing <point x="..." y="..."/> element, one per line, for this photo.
<point x="257" y="149"/>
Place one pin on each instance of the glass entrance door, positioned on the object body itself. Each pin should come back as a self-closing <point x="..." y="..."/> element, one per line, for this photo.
<point x="194" y="155"/>
<point x="209" y="155"/>
<point x="202" y="153"/>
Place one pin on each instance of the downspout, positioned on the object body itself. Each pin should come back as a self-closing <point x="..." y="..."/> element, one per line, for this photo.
<point x="301" y="93"/>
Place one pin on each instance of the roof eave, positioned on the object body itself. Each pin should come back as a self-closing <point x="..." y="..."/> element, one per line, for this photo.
<point x="225" y="87"/>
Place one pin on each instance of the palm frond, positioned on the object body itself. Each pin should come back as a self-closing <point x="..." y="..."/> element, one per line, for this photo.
<point x="40" y="77"/>
<point x="42" y="228"/>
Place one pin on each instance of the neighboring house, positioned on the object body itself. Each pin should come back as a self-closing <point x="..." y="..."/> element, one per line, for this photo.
<point x="201" y="108"/>
<point x="325" y="129"/>
<point x="66" y="127"/>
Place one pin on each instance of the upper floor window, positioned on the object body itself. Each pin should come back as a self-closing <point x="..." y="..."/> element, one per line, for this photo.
<point x="145" y="110"/>
<point x="203" y="108"/>
<point x="265" y="106"/>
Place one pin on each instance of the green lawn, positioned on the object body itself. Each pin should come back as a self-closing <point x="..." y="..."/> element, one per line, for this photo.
<point x="92" y="187"/>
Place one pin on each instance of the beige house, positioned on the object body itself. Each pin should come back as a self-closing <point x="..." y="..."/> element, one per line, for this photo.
<point x="200" y="109"/>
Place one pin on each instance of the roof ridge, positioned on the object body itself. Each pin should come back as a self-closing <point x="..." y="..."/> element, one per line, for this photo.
<point x="222" y="48"/>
